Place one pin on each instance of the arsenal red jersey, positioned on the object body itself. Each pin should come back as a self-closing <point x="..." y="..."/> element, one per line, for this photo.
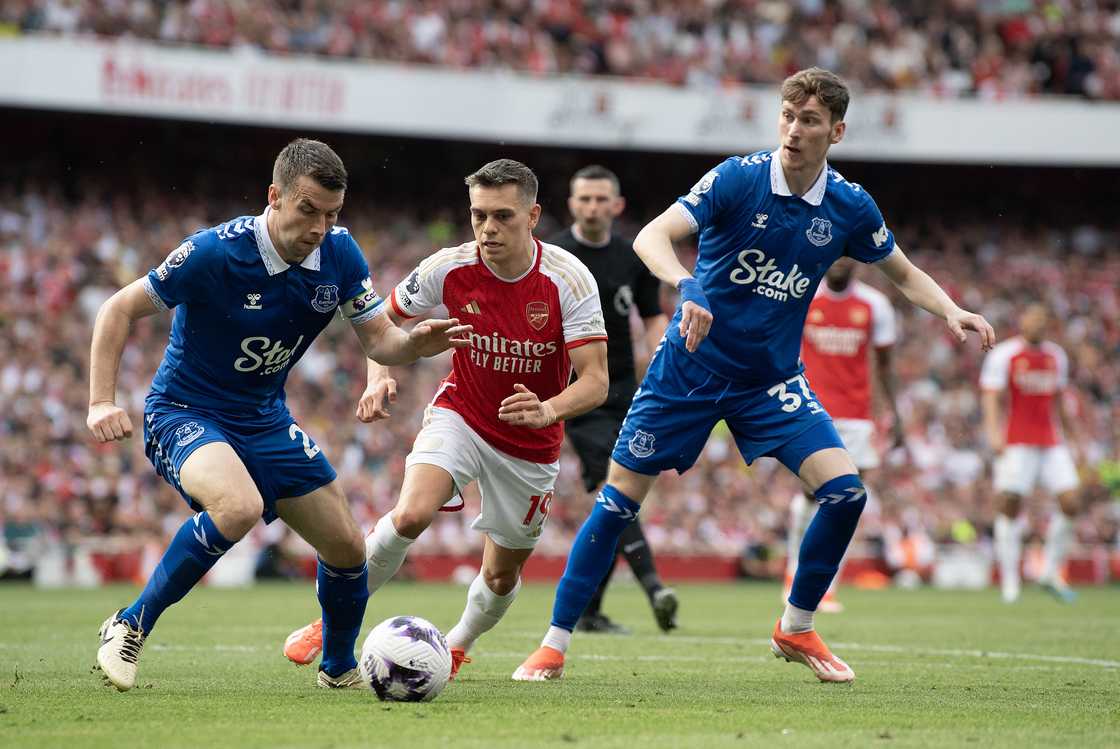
<point x="523" y="329"/>
<point x="1034" y="375"/>
<point x="839" y="329"/>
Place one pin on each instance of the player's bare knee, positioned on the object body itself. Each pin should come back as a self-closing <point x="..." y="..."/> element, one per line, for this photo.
<point x="1008" y="504"/>
<point x="633" y="485"/>
<point x="501" y="582"/>
<point x="347" y="551"/>
<point x="1070" y="503"/>
<point x="410" y="521"/>
<point x="236" y="514"/>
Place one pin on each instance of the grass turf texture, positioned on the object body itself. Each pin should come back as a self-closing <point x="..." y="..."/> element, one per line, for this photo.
<point x="933" y="669"/>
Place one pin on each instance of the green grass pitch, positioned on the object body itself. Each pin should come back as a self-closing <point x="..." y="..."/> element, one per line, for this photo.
<point x="933" y="669"/>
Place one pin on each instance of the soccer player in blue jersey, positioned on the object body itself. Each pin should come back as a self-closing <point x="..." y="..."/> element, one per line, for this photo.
<point x="250" y="296"/>
<point x="770" y="224"/>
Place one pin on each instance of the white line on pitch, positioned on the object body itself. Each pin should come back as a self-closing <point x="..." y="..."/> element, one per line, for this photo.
<point x="903" y="650"/>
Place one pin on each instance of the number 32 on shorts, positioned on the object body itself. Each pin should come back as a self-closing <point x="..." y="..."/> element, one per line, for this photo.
<point x="791" y="401"/>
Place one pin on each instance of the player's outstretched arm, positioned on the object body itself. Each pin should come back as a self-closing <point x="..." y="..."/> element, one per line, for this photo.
<point x="654" y="245"/>
<point x="106" y="420"/>
<point x="589" y="390"/>
<point x="923" y="291"/>
<point x="387" y="344"/>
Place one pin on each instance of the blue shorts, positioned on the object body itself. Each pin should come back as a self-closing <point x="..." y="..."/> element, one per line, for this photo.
<point x="679" y="402"/>
<point x="281" y="458"/>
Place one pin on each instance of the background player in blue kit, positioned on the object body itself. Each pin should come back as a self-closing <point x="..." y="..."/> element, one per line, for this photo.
<point x="251" y="295"/>
<point x="770" y="225"/>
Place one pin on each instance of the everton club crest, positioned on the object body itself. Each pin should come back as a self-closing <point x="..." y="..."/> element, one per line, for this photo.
<point x="325" y="299"/>
<point x="819" y="232"/>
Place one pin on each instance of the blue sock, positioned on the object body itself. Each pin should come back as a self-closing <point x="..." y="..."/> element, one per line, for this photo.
<point x="196" y="547"/>
<point x="343" y="594"/>
<point x="592" y="555"/>
<point x="826" y="539"/>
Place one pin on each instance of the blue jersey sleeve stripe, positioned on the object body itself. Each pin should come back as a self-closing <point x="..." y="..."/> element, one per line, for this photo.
<point x="157" y="300"/>
<point x="687" y="213"/>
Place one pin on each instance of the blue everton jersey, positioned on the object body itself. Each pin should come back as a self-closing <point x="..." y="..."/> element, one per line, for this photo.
<point x="244" y="316"/>
<point x="762" y="253"/>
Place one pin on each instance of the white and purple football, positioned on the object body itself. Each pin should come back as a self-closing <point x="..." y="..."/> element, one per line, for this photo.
<point x="406" y="659"/>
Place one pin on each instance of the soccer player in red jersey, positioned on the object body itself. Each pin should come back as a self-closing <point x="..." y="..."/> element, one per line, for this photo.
<point x="495" y="418"/>
<point x="1034" y="372"/>
<point x="847" y="321"/>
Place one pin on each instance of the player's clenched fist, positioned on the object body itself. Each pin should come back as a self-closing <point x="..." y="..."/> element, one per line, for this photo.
<point x="108" y="422"/>
<point x="524" y="409"/>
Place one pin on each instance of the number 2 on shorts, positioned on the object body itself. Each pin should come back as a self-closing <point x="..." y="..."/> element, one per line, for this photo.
<point x="308" y="449"/>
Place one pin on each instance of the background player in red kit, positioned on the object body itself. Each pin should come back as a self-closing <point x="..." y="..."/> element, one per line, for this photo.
<point x="847" y="321"/>
<point x="1034" y="372"/>
<point x="495" y="418"/>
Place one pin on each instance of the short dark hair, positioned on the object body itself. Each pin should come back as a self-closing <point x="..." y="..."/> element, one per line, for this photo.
<point x="597" y="171"/>
<point x="309" y="158"/>
<point x="506" y="172"/>
<point x="828" y="87"/>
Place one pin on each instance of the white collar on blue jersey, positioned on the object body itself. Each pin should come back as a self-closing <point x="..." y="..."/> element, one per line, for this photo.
<point x="778" y="185"/>
<point x="273" y="263"/>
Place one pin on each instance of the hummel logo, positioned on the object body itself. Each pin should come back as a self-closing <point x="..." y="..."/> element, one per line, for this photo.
<point x="611" y="506"/>
<point x="760" y="220"/>
<point x="471" y="307"/>
<point x="254" y="301"/>
<point x="200" y="536"/>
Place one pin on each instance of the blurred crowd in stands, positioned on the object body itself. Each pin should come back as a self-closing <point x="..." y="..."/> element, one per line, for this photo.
<point x="61" y="257"/>
<point x="988" y="48"/>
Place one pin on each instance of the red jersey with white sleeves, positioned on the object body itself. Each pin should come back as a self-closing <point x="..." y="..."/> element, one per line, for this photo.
<point x="839" y="330"/>
<point x="523" y="330"/>
<point x="1034" y="375"/>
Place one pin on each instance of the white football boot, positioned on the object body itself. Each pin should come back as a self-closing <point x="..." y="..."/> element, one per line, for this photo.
<point x="120" y="649"/>
<point x="352" y="679"/>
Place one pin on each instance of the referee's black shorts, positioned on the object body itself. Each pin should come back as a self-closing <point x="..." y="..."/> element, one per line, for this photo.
<point x="593" y="434"/>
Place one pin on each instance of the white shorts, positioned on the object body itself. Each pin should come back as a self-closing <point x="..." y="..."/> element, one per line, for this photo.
<point x="856" y="435"/>
<point x="516" y="493"/>
<point x="1020" y="467"/>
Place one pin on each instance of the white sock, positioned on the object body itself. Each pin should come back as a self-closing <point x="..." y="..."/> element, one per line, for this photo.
<point x="1059" y="536"/>
<point x="796" y="620"/>
<point x="485" y="608"/>
<point x="557" y="639"/>
<point x="1009" y="550"/>
<point x="800" y="511"/>
<point x="385" y="552"/>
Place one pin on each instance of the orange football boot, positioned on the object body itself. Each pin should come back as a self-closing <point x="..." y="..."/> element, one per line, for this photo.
<point x="458" y="658"/>
<point x="545" y="664"/>
<point x="304" y="645"/>
<point x="808" y="649"/>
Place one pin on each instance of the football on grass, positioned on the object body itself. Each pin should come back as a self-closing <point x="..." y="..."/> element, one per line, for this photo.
<point x="406" y="659"/>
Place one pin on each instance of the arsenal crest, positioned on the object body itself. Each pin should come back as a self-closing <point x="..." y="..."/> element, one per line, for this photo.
<point x="537" y="314"/>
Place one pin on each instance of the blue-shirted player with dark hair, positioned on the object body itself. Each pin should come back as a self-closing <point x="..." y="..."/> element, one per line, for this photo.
<point x="770" y="225"/>
<point x="250" y="296"/>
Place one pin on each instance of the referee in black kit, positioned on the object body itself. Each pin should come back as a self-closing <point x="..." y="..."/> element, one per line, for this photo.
<point x="624" y="283"/>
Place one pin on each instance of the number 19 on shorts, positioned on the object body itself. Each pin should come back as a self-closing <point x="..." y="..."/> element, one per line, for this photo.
<point x="538" y="505"/>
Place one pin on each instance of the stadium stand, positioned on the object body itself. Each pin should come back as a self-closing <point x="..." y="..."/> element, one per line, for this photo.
<point x="1012" y="48"/>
